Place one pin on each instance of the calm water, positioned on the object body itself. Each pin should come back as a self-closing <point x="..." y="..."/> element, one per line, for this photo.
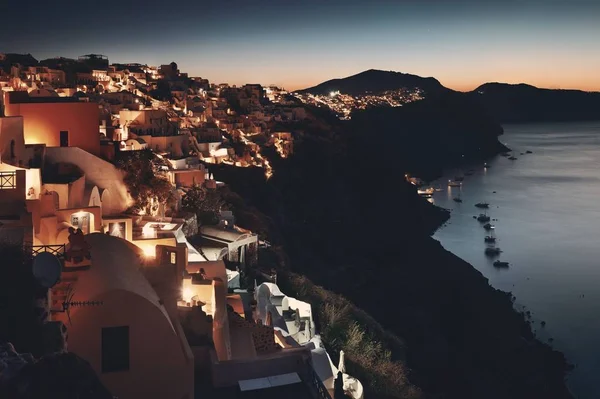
<point x="547" y="206"/>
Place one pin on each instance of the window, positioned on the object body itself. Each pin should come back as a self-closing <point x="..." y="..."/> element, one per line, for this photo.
<point x="8" y="180"/>
<point x="115" y="349"/>
<point x="64" y="138"/>
<point x="117" y="229"/>
<point x="173" y="258"/>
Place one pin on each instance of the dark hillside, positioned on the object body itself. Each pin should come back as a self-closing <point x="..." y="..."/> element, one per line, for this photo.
<point x="525" y="103"/>
<point x="376" y="81"/>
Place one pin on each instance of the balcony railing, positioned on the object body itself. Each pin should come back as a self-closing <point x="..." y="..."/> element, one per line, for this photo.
<point x="56" y="250"/>
<point x="8" y="180"/>
<point x="321" y="391"/>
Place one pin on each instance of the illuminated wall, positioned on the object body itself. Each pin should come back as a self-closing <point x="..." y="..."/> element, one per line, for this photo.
<point x="43" y="123"/>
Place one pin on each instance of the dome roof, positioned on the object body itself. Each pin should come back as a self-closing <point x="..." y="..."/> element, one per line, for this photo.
<point x="115" y="266"/>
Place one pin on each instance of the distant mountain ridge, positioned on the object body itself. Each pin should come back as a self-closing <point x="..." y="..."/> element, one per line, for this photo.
<point x="506" y="103"/>
<point x="513" y="103"/>
<point x="376" y="81"/>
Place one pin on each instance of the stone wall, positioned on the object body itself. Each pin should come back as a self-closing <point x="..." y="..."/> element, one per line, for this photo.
<point x="263" y="336"/>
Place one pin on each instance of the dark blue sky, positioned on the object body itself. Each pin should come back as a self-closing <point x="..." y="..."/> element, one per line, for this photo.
<point x="297" y="44"/>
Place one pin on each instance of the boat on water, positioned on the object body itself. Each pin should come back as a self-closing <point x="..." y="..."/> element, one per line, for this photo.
<point x="482" y="205"/>
<point x="454" y="183"/>
<point x="489" y="239"/>
<point x="500" y="264"/>
<point x="486" y="165"/>
<point x="488" y="226"/>
<point x="492" y="251"/>
<point x="512" y="158"/>
<point x="426" y="192"/>
<point x="457" y="199"/>
<point x="415" y="181"/>
<point x="528" y="152"/>
<point x="483" y="218"/>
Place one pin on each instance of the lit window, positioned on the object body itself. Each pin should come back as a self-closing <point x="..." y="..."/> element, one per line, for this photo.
<point x="173" y="258"/>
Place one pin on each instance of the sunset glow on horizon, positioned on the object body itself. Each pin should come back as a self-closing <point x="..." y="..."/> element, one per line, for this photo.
<point x="463" y="44"/>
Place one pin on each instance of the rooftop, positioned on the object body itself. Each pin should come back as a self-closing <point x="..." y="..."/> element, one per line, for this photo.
<point x="115" y="266"/>
<point x="22" y="97"/>
<point x="292" y="391"/>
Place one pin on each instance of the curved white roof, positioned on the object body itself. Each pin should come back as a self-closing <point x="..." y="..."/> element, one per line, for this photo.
<point x="115" y="266"/>
<point x="273" y="288"/>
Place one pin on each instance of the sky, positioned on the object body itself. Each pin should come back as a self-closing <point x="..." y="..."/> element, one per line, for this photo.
<point x="297" y="44"/>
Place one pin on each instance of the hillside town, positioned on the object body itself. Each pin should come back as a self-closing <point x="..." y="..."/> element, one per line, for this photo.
<point x="343" y="104"/>
<point x="107" y="185"/>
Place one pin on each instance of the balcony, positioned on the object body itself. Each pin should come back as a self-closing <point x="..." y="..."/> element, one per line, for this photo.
<point x="56" y="250"/>
<point x="8" y="180"/>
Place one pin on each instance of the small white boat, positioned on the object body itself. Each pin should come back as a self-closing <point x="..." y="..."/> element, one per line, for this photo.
<point x="488" y="226"/>
<point x="426" y="192"/>
<point x="454" y="183"/>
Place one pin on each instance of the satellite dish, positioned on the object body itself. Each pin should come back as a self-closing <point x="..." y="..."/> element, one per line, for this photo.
<point x="46" y="269"/>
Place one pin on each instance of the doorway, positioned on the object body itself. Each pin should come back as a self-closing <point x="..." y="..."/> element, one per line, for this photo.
<point x="81" y="220"/>
<point x="64" y="138"/>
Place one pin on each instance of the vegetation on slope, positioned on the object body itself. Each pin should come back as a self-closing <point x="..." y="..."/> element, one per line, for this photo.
<point x="367" y="345"/>
<point x="146" y="181"/>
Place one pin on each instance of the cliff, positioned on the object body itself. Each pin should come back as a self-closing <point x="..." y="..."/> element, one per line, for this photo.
<point x="347" y="221"/>
<point x="423" y="137"/>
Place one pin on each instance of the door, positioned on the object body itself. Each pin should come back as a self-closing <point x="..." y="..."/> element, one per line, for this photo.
<point x="64" y="138"/>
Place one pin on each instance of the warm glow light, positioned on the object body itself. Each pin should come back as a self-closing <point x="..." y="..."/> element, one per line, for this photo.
<point x="149" y="251"/>
<point x="187" y="294"/>
<point x="148" y="231"/>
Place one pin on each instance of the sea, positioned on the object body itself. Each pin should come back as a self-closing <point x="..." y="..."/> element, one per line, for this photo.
<point x="545" y="207"/>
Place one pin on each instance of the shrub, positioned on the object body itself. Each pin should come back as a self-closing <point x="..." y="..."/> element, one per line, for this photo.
<point x="367" y="345"/>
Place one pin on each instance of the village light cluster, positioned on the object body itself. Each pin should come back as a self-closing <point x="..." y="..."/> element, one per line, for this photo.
<point x="343" y="104"/>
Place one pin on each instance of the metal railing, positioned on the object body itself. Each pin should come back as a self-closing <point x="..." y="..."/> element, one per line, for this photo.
<point x="56" y="250"/>
<point x="8" y="180"/>
<point x="318" y="384"/>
